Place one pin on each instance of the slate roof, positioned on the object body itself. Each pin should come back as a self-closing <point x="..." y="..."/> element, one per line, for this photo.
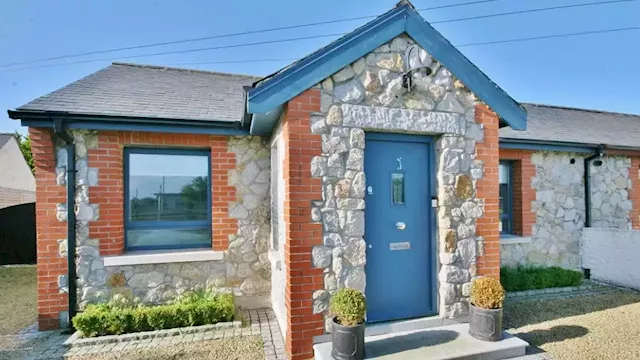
<point x="580" y="126"/>
<point x="4" y="138"/>
<point x="151" y="91"/>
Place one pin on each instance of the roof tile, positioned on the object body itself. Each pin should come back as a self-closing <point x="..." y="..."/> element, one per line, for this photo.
<point x="151" y="91"/>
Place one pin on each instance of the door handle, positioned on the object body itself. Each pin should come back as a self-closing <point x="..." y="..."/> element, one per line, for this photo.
<point x="400" y="225"/>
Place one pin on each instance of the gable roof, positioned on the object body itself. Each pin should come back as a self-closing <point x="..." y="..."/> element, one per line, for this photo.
<point x="4" y="138"/>
<point x="150" y="92"/>
<point x="556" y="124"/>
<point x="271" y="93"/>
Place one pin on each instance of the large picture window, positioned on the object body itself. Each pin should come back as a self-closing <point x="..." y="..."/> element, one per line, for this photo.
<point x="506" y="197"/>
<point x="167" y="199"/>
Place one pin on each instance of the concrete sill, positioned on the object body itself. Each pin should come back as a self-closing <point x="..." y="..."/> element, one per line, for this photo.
<point x="512" y="239"/>
<point x="162" y="257"/>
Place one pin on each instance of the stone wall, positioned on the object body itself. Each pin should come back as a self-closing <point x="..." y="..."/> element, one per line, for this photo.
<point x="368" y="95"/>
<point x="559" y="207"/>
<point x="245" y="270"/>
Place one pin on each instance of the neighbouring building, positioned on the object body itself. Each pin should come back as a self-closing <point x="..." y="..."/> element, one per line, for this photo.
<point x="17" y="183"/>
<point x="385" y="162"/>
<point x="543" y="182"/>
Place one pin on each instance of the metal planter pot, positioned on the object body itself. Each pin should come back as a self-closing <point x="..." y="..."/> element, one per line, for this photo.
<point x="347" y="341"/>
<point x="485" y="324"/>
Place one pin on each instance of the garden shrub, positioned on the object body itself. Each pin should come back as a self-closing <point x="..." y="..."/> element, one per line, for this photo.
<point x="487" y="293"/>
<point x="534" y="277"/>
<point x="121" y="316"/>
<point x="349" y="306"/>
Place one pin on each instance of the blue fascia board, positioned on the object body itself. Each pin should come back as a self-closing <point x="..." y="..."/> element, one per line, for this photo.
<point x="317" y="67"/>
<point x="452" y="59"/>
<point x="263" y="124"/>
<point x="541" y="146"/>
<point x="310" y="71"/>
<point x="132" y="126"/>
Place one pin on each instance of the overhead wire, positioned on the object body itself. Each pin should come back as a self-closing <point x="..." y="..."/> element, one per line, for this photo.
<point x="172" y="52"/>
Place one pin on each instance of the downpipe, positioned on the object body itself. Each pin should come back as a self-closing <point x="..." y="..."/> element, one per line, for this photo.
<point x="587" y="184"/>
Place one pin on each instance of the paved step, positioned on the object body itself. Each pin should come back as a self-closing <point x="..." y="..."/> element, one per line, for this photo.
<point x="440" y="343"/>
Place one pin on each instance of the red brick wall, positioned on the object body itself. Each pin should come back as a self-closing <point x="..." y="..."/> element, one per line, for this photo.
<point x="523" y="193"/>
<point x="48" y="230"/>
<point x="488" y="189"/>
<point x="301" y="234"/>
<point x="109" y="194"/>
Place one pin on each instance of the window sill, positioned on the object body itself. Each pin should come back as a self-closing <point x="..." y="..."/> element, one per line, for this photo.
<point x="162" y="257"/>
<point x="514" y="239"/>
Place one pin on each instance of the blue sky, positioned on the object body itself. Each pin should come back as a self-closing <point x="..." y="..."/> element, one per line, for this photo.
<point x="594" y="71"/>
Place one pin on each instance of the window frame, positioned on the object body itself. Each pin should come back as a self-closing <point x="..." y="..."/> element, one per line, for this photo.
<point x="507" y="215"/>
<point x="159" y="225"/>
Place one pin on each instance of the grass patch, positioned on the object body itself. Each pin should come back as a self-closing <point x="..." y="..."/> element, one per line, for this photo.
<point x="530" y="278"/>
<point x="18" y="304"/>
<point x="121" y="315"/>
<point x="238" y="348"/>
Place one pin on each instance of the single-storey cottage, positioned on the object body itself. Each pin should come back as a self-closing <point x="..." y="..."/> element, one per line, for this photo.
<point x="385" y="162"/>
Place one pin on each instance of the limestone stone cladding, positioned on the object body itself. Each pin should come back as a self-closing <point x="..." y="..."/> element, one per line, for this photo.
<point x="559" y="207"/>
<point x="241" y="215"/>
<point x="368" y="95"/>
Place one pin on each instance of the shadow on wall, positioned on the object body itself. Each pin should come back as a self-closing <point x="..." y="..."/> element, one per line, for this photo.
<point x="519" y="314"/>
<point x="18" y="234"/>
<point x="556" y="334"/>
<point x="411" y="341"/>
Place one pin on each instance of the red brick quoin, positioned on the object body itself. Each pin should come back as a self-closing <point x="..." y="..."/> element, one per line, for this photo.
<point x="48" y="230"/>
<point x="109" y="195"/>
<point x="301" y="234"/>
<point x="488" y="189"/>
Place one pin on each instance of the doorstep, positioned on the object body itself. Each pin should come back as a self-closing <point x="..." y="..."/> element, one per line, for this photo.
<point x="439" y="343"/>
<point x="397" y="326"/>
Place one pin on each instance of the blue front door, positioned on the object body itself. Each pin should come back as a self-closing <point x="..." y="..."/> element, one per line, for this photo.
<point x="398" y="227"/>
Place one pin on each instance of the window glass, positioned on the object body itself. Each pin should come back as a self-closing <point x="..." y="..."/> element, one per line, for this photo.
<point x="506" y="196"/>
<point x="168" y="199"/>
<point x="397" y="188"/>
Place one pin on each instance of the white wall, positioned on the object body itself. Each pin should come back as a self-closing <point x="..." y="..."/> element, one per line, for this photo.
<point x="14" y="171"/>
<point x="276" y="248"/>
<point x="612" y="255"/>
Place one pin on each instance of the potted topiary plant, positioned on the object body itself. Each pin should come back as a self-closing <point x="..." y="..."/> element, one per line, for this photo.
<point x="485" y="311"/>
<point x="348" y="307"/>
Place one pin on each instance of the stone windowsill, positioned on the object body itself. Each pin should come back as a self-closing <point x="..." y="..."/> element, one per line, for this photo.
<point x="162" y="257"/>
<point x="514" y="239"/>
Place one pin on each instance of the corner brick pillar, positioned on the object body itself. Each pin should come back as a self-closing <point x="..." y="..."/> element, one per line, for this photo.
<point x="302" y="279"/>
<point x="49" y="230"/>
<point x="487" y="150"/>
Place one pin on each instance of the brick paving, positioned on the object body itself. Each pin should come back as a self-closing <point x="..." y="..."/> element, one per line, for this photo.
<point x="30" y="344"/>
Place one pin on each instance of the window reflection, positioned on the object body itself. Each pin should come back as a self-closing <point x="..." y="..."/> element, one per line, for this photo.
<point x="168" y="187"/>
<point x="168" y="199"/>
<point x="397" y="185"/>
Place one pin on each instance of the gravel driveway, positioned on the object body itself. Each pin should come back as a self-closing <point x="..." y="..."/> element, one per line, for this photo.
<point x="601" y="326"/>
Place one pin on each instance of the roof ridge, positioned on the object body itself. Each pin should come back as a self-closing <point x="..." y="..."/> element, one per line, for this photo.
<point x="170" y="68"/>
<point x="580" y="109"/>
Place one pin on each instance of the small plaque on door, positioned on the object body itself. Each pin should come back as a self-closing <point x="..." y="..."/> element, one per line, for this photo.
<point x="400" y="246"/>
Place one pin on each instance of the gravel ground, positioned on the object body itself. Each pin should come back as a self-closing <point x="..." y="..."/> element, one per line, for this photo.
<point x="18" y="304"/>
<point x="239" y="348"/>
<point x="601" y="326"/>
